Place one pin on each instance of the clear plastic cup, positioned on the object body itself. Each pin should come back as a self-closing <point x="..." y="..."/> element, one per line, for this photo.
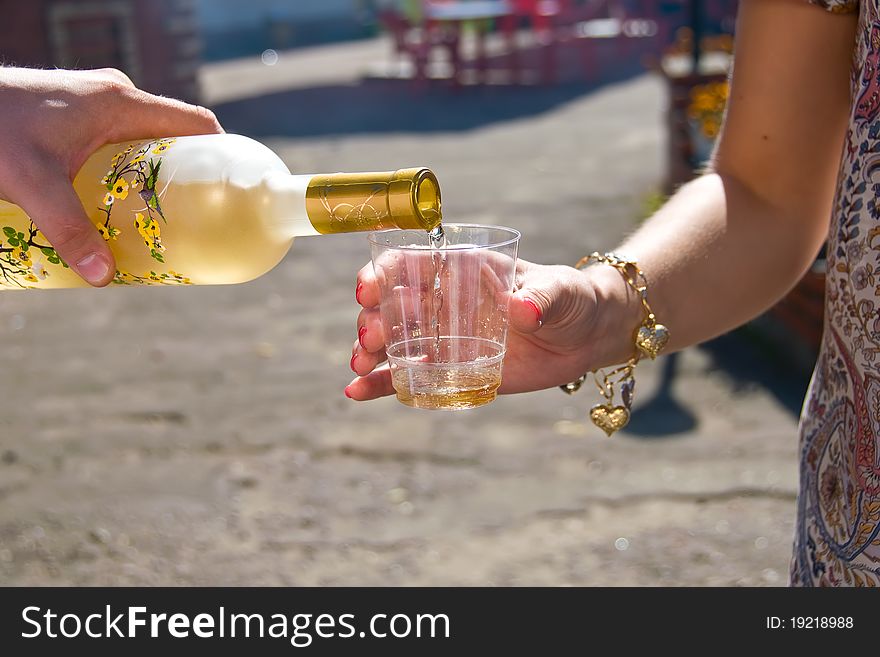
<point x="444" y="311"/>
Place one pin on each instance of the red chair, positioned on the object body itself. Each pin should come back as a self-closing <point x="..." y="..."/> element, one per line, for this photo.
<point x="444" y="20"/>
<point x="415" y="42"/>
<point x="544" y="18"/>
<point x="542" y="15"/>
<point x="406" y="45"/>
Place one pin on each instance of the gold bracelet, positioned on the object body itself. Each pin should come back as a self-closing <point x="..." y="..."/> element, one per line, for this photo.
<point x="649" y="339"/>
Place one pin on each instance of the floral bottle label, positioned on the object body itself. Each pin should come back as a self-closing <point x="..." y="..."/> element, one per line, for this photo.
<point x="136" y="170"/>
<point x="27" y="259"/>
<point x="23" y="257"/>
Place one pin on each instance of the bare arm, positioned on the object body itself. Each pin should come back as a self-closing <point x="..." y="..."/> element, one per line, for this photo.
<point x="733" y="242"/>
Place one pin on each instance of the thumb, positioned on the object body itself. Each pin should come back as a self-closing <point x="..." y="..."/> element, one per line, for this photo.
<point x="51" y="203"/>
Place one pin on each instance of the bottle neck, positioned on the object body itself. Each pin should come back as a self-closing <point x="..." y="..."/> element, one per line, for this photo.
<point x="350" y="202"/>
<point x="285" y="205"/>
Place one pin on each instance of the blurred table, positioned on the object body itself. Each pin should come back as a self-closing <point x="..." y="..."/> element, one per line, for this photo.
<point x="452" y="15"/>
<point x="467" y="10"/>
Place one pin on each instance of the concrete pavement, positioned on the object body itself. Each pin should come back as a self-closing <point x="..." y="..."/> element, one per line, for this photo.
<point x="201" y="436"/>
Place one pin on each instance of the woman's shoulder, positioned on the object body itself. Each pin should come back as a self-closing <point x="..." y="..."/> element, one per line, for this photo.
<point x="837" y="6"/>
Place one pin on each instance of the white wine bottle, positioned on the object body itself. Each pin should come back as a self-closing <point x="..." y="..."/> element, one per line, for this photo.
<point x="209" y="209"/>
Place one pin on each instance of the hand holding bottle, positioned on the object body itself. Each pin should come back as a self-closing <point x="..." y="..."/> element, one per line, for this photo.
<point x="50" y="122"/>
<point x="555" y="335"/>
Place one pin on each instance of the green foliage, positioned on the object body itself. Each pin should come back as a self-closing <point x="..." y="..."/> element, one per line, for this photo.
<point x="652" y="202"/>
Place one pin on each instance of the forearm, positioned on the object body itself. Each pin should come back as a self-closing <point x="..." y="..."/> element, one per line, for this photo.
<point x="715" y="256"/>
<point x="730" y="244"/>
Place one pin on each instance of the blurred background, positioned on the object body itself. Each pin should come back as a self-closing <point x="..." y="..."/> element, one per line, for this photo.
<point x="201" y="436"/>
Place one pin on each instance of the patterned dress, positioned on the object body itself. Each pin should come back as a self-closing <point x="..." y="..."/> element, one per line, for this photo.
<point x="837" y="541"/>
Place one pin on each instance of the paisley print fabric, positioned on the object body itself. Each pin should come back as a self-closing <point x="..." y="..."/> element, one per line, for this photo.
<point x="838" y="6"/>
<point x="837" y="540"/>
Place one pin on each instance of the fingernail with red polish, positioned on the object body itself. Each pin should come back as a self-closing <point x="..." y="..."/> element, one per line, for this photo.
<point x="351" y="363"/>
<point x="538" y="314"/>
<point x="347" y="393"/>
<point x="362" y="331"/>
<point x="357" y="291"/>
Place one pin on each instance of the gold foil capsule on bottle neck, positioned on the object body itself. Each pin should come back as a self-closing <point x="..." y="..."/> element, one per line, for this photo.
<point x="349" y="202"/>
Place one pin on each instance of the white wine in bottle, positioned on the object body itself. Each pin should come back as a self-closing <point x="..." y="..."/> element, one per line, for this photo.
<point x="209" y="209"/>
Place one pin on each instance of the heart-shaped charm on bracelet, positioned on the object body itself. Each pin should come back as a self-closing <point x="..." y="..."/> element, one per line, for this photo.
<point x="651" y="339"/>
<point x="609" y="418"/>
